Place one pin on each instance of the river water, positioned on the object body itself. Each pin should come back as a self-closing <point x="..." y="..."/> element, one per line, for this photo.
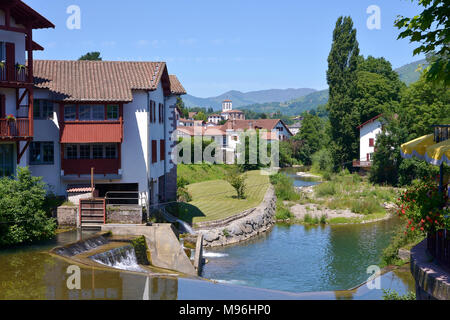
<point x="300" y="258"/>
<point x="290" y="262"/>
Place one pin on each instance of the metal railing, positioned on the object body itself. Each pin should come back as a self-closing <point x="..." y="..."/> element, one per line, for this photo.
<point x="121" y="200"/>
<point x="441" y="132"/>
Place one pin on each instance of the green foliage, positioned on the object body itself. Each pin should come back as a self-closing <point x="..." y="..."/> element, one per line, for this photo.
<point x="400" y="240"/>
<point x="237" y="181"/>
<point x="184" y="111"/>
<point x="182" y="182"/>
<point x="283" y="213"/>
<point x="430" y="30"/>
<point x="313" y="137"/>
<point x="322" y="161"/>
<point x="141" y="250"/>
<point x="22" y="215"/>
<point x="252" y="153"/>
<point x="411" y="169"/>
<point x="326" y="189"/>
<point x="342" y="80"/>
<point x="91" y="56"/>
<point x="423" y="105"/>
<point x="284" y="187"/>
<point x="366" y="206"/>
<point x="411" y="72"/>
<point x="288" y="151"/>
<point x="183" y="195"/>
<point x="394" y="295"/>
<point x="201" y="116"/>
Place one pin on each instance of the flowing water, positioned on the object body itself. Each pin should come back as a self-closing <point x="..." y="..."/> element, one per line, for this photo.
<point x="123" y="258"/>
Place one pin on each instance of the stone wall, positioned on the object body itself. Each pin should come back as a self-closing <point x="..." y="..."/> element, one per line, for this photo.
<point x="123" y="214"/>
<point x="432" y="280"/>
<point x="242" y="226"/>
<point x="67" y="216"/>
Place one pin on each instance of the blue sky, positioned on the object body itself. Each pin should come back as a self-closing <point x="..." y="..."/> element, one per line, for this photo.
<point x="215" y="46"/>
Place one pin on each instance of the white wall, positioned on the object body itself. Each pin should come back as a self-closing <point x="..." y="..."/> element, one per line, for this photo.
<point x="369" y="131"/>
<point x="18" y="39"/>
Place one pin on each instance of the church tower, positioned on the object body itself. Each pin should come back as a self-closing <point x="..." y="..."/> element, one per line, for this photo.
<point x="227" y="106"/>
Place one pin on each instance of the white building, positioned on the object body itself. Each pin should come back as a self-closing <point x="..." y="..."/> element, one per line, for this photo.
<point x="229" y="114"/>
<point x="368" y="133"/>
<point x="215" y="118"/>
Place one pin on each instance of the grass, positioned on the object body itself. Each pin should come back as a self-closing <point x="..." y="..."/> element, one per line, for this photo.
<point x="194" y="173"/>
<point x="216" y="199"/>
<point x="350" y="191"/>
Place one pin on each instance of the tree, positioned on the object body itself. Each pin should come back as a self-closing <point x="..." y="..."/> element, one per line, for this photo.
<point x="378" y="88"/>
<point x="313" y="137"/>
<point x="201" y="116"/>
<point x="237" y="181"/>
<point x="22" y="218"/>
<point x="91" y="56"/>
<point x="424" y="104"/>
<point x="431" y="30"/>
<point x="342" y="80"/>
<point x="184" y="111"/>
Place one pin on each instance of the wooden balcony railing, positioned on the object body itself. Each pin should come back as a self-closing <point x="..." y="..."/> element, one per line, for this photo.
<point x="14" y="75"/>
<point x="83" y="166"/>
<point x="13" y="129"/>
<point x="438" y="244"/>
<point x="361" y="164"/>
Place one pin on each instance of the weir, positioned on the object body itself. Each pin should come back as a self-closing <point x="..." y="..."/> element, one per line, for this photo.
<point x="123" y="258"/>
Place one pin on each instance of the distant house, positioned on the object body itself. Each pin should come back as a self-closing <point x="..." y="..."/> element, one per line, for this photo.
<point x="215" y="118"/>
<point x="295" y="128"/>
<point x="368" y="132"/>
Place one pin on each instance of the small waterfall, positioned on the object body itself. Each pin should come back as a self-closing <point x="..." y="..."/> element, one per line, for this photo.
<point x="214" y="254"/>
<point x="123" y="258"/>
<point x="186" y="226"/>
<point x="81" y="246"/>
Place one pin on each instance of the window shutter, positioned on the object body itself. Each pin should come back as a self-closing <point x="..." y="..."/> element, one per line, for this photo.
<point x="154" y="152"/>
<point x="11" y="61"/>
<point x="162" y="150"/>
<point x="2" y="106"/>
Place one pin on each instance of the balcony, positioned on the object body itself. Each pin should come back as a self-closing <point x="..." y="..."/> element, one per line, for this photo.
<point x="362" y="164"/>
<point x="18" y="129"/>
<point x="80" y="167"/>
<point x="14" y="75"/>
<point x="92" y="132"/>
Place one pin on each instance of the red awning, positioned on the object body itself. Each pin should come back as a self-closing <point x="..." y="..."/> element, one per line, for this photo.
<point x="92" y="133"/>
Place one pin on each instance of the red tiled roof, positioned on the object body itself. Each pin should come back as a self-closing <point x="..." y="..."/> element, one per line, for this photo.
<point x="175" y="85"/>
<point x="233" y="111"/>
<point x="101" y="81"/>
<point x="78" y="188"/>
<point x="369" y="121"/>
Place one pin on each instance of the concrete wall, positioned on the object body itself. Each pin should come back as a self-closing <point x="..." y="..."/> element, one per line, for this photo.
<point x="123" y="214"/>
<point x="67" y="216"/>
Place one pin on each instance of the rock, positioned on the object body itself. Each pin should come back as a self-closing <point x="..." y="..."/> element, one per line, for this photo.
<point x="211" y="236"/>
<point x="404" y="254"/>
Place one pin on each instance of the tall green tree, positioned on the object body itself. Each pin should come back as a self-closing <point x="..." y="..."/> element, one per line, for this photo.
<point x="91" y="56"/>
<point x="424" y="104"/>
<point x="342" y="80"/>
<point x="184" y="111"/>
<point x="430" y="29"/>
<point x="378" y="88"/>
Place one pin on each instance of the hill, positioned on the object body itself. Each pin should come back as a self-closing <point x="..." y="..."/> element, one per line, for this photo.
<point x="408" y="73"/>
<point x="242" y="99"/>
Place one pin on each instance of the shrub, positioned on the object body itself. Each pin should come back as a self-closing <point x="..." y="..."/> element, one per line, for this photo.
<point x="323" y="219"/>
<point x="393" y="295"/>
<point x="283" y="213"/>
<point x="366" y="206"/>
<point x="284" y="187"/>
<point x="182" y="182"/>
<point x="183" y="195"/>
<point x="322" y="161"/>
<point x="140" y="248"/>
<point x="237" y="181"/>
<point x="22" y="210"/>
<point x="307" y="218"/>
<point x="400" y="240"/>
<point x="326" y="189"/>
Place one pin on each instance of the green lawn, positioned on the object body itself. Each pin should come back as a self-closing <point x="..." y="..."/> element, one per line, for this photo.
<point x="194" y="173"/>
<point x="214" y="200"/>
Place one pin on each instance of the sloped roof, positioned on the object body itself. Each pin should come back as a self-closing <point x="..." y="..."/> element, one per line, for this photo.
<point x="23" y="14"/>
<point x="175" y="85"/>
<point x="101" y="81"/>
<point x="267" y="124"/>
<point x="369" y="121"/>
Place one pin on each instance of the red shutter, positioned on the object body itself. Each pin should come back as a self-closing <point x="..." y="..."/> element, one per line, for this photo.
<point x="154" y="151"/>
<point x="2" y="106"/>
<point x="371" y="142"/>
<point x="162" y="149"/>
<point x="11" y="61"/>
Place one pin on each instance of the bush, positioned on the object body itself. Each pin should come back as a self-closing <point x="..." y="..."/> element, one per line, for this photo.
<point x="22" y="210"/>
<point x="284" y="187"/>
<point x="283" y="213"/>
<point x="326" y="189"/>
<point x="393" y="295"/>
<point x="322" y="161"/>
<point x="140" y="248"/>
<point x="237" y="181"/>
<point x="183" y="195"/>
<point x="366" y="206"/>
<point x="400" y="240"/>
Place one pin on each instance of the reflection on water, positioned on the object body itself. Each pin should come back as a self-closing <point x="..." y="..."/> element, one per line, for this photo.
<point x="299" y="258"/>
<point x="299" y="181"/>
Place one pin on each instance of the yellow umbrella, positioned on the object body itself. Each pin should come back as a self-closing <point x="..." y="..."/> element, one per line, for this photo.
<point x="438" y="154"/>
<point x="417" y="147"/>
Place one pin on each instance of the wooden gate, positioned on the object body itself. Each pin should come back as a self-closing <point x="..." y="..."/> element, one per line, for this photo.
<point x="92" y="213"/>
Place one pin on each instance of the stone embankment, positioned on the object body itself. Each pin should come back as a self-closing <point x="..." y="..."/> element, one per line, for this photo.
<point x="242" y="226"/>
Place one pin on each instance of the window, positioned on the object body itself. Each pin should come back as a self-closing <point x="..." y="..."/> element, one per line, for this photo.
<point x="154" y="151"/>
<point x="371" y="142"/>
<point x="111" y="151"/>
<point x="224" y="140"/>
<point x="2" y="51"/>
<point x="42" y="109"/>
<point x="162" y="150"/>
<point x="112" y="112"/>
<point x="41" y="153"/>
<point x="71" y="151"/>
<point x="97" y="151"/>
<point x="85" y="151"/>
<point x="6" y="160"/>
<point x="70" y="112"/>
<point x="91" y="112"/>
